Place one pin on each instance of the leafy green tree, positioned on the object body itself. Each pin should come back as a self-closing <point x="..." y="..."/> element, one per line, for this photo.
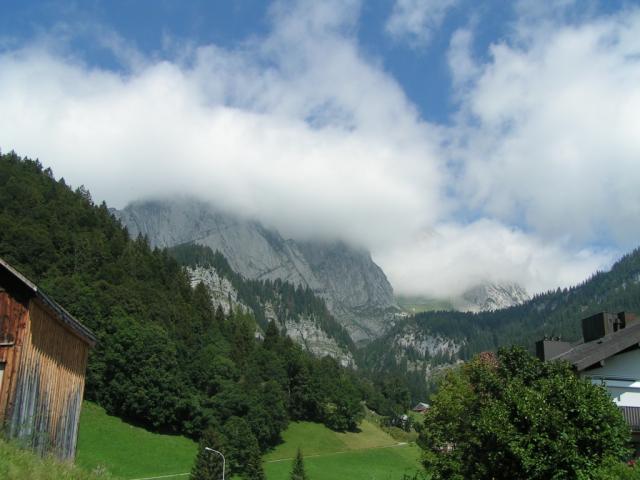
<point x="208" y="464"/>
<point x="298" y="472"/>
<point x="511" y="416"/>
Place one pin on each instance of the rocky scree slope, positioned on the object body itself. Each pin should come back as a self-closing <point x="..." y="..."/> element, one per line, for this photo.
<point x="354" y="288"/>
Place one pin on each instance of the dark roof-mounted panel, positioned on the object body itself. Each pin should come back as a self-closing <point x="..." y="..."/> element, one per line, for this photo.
<point x="32" y="290"/>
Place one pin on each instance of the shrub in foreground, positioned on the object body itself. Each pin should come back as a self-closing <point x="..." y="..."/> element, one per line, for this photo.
<point x="511" y="416"/>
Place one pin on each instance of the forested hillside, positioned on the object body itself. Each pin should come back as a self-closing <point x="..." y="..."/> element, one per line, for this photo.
<point x="165" y="359"/>
<point x="556" y="313"/>
<point x="289" y="301"/>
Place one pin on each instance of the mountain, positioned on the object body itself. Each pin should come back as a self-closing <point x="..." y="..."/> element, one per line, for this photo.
<point x="409" y="345"/>
<point x="487" y="297"/>
<point x="296" y="311"/>
<point x="354" y="288"/>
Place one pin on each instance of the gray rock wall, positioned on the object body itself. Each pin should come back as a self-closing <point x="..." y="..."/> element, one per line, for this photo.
<point x="355" y="289"/>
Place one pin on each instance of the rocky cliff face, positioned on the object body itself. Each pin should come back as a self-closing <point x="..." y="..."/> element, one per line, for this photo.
<point x="355" y="289"/>
<point x="415" y="349"/>
<point x="221" y="290"/>
<point x="304" y="329"/>
<point x="491" y="296"/>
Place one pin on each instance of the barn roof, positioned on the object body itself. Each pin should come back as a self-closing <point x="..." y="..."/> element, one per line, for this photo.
<point x="585" y="355"/>
<point x="48" y="303"/>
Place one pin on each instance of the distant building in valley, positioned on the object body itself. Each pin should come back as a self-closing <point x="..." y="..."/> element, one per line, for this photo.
<point x="43" y="359"/>
<point x="421" y="407"/>
<point x="608" y="355"/>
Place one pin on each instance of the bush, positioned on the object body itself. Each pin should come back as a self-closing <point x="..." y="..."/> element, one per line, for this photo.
<point x="512" y="416"/>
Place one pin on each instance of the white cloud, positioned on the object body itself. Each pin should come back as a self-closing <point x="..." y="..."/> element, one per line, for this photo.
<point x="296" y="129"/>
<point x="453" y="258"/>
<point x="301" y="130"/>
<point x="415" y="21"/>
<point x="463" y="66"/>
<point x="552" y="132"/>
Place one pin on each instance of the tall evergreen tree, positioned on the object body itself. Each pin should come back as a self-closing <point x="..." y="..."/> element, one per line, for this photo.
<point x="298" y="472"/>
<point x="208" y="465"/>
<point x="245" y="453"/>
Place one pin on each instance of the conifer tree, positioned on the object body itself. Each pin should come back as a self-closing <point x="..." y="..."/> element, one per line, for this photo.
<point x="244" y="452"/>
<point x="208" y="465"/>
<point x="298" y="472"/>
<point x="271" y="336"/>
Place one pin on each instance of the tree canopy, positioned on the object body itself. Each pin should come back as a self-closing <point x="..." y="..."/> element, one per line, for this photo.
<point x="510" y="416"/>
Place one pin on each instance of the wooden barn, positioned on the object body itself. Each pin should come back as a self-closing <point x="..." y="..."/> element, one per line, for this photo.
<point x="43" y="359"/>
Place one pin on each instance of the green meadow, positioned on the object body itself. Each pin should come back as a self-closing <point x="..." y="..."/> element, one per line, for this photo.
<point x="127" y="452"/>
<point x="370" y="454"/>
<point x="21" y="464"/>
<point x="415" y="305"/>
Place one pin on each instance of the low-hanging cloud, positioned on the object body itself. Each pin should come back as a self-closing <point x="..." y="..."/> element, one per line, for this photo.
<point x="304" y="132"/>
<point x="452" y="258"/>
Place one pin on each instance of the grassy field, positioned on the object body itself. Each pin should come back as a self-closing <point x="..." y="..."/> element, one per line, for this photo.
<point x="20" y="464"/>
<point x="370" y="454"/>
<point x="130" y="452"/>
<point x="415" y="305"/>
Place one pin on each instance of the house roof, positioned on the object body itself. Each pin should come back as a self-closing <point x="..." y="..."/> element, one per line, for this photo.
<point x="584" y="355"/>
<point x="48" y="303"/>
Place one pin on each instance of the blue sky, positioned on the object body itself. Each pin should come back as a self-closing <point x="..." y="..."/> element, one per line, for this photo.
<point x="460" y="141"/>
<point x="419" y="65"/>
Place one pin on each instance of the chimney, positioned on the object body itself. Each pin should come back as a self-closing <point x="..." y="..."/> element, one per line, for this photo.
<point x="627" y="318"/>
<point x="603" y="323"/>
<point x="549" y="349"/>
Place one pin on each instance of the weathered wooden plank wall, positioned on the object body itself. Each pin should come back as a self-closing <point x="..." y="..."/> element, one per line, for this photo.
<point x="14" y="317"/>
<point x="49" y="386"/>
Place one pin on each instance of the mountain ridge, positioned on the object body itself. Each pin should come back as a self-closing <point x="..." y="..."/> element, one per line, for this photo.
<point x="297" y="312"/>
<point x="355" y="289"/>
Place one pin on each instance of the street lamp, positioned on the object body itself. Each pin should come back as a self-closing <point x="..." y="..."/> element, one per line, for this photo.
<point x="216" y="451"/>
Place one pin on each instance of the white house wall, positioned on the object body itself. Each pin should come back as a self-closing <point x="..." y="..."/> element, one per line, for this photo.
<point x="620" y="375"/>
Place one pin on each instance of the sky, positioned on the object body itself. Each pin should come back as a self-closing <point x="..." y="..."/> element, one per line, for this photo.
<point x="459" y="141"/>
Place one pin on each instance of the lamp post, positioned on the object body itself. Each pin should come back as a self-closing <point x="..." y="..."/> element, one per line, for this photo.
<point x="216" y="451"/>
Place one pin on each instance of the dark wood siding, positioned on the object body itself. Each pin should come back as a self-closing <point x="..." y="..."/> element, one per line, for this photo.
<point x="14" y="318"/>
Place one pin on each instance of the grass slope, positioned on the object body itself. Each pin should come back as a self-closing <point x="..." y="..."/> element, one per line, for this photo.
<point x="127" y="451"/>
<point x="415" y="305"/>
<point x="130" y="452"/>
<point x="366" y="455"/>
<point x="20" y="464"/>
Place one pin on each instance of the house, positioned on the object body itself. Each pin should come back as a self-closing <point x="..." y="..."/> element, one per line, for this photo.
<point x="43" y="359"/>
<point x="608" y="355"/>
<point x="421" y="407"/>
